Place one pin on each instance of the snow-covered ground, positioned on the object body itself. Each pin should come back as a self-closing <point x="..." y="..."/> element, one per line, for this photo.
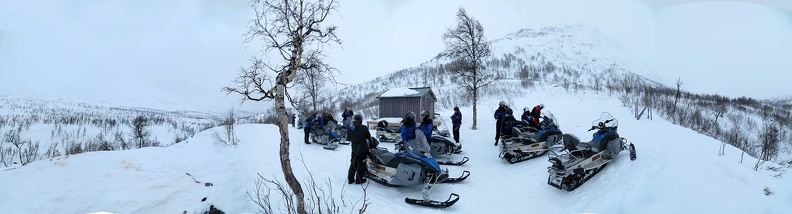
<point x="677" y="171"/>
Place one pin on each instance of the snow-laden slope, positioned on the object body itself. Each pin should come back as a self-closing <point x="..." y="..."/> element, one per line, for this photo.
<point x="677" y="171"/>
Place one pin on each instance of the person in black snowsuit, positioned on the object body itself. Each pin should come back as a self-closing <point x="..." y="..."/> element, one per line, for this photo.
<point x="456" y="121"/>
<point x="307" y="126"/>
<point x="360" y="150"/>
<point x="508" y="122"/>
<point x="500" y="114"/>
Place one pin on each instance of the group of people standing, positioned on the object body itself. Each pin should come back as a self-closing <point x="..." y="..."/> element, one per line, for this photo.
<point x="359" y="135"/>
<point x="505" y="119"/>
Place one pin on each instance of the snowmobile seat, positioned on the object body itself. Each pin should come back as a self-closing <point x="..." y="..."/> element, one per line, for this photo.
<point x="592" y="146"/>
<point x="383" y="155"/>
<point x="585" y="153"/>
<point x="570" y="142"/>
<point x="521" y="140"/>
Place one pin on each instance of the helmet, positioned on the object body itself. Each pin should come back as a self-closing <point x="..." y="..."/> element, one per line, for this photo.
<point x="541" y="106"/>
<point x="526" y="109"/>
<point x="509" y="111"/>
<point x="424" y="113"/>
<point x="357" y="117"/>
<point x="501" y="103"/>
<point x="409" y="116"/>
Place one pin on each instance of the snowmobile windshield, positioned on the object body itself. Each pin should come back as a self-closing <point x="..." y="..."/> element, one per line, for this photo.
<point x="347" y="121"/>
<point x="607" y="119"/>
<point x="443" y="127"/>
<point x="552" y="118"/>
<point x="419" y="145"/>
<point x="330" y="126"/>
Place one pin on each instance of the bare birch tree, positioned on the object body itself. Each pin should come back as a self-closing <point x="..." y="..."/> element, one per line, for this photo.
<point x="466" y="44"/>
<point x="293" y="38"/>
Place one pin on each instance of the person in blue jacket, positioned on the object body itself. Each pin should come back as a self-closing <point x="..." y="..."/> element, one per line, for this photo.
<point x="307" y="126"/>
<point x="426" y="125"/>
<point x="500" y="114"/>
<point x="408" y="127"/>
<point x="347" y="115"/>
<point x="456" y="121"/>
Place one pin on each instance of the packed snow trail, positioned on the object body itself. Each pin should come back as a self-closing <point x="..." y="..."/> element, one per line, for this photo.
<point x="677" y="171"/>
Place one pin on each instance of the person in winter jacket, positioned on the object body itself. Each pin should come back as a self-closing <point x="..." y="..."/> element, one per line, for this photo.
<point x="346" y="118"/>
<point x="508" y="122"/>
<point x="536" y="113"/>
<point x="426" y="124"/>
<point x="408" y="127"/>
<point x="526" y="115"/>
<point x="309" y="122"/>
<point x="500" y="114"/>
<point x="360" y="150"/>
<point x="347" y="114"/>
<point x="456" y="121"/>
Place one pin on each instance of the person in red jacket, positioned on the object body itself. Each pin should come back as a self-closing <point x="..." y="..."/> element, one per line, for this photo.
<point x="536" y="113"/>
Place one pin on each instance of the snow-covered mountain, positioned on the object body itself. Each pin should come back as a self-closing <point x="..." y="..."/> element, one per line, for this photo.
<point x="569" y="56"/>
<point x="578" y="59"/>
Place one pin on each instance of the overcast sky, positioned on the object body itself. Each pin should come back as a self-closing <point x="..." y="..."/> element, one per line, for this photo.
<point x="179" y="53"/>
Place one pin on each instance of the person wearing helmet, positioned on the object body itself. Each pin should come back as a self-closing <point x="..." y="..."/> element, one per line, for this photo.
<point x="360" y="150"/>
<point x="426" y="124"/>
<point x="456" y="121"/>
<point x="508" y="122"/>
<point x="500" y="114"/>
<point x="526" y="115"/>
<point x="536" y="113"/>
<point x="408" y="127"/>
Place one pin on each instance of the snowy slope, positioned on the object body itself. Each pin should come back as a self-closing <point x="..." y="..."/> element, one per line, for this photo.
<point x="677" y="171"/>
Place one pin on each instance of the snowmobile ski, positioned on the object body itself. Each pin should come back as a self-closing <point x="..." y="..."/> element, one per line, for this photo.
<point x="454" y="163"/>
<point x="452" y="199"/>
<point x="461" y="178"/>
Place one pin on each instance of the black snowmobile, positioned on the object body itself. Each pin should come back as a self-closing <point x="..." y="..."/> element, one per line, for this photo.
<point x="523" y="145"/>
<point x="386" y="133"/>
<point x="410" y="167"/>
<point x="576" y="162"/>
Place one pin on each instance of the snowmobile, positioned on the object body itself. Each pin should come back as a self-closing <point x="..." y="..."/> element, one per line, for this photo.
<point x="412" y="166"/>
<point x="443" y="144"/>
<point x="522" y="146"/>
<point x="326" y="136"/>
<point x="387" y="133"/>
<point x="343" y="131"/>
<point x="576" y="162"/>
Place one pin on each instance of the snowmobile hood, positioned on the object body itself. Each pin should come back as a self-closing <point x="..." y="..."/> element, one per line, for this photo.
<point x="431" y="161"/>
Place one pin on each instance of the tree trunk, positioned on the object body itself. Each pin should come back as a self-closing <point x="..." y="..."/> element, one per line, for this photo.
<point x="283" y="127"/>
<point x="475" y="109"/>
